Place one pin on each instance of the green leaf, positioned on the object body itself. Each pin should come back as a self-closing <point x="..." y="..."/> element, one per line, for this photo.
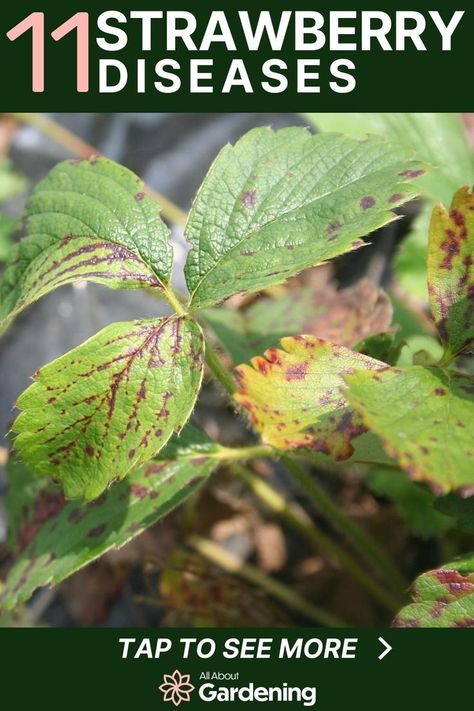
<point x="459" y="508"/>
<point x="11" y="182"/>
<point x="86" y="220"/>
<point x="381" y="346"/>
<point x="442" y="598"/>
<point x="343" y="316"/>
<point x="413" y="345"/>
<point x="415" y="501"/>
<point x="451" y="271"/>
<point x="438" y="138"/>
<point x="425" y="417"/>
<point x="293" y="399"/>
<point x="111" y="404"/>
<point x="279" y="202"/>
<point x="52" y="538"/>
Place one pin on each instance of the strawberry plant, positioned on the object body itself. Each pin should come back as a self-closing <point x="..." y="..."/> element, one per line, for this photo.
<point x="103" y="446"/>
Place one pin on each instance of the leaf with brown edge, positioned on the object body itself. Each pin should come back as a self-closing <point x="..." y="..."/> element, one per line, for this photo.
<point x="86" y="220"/>
<point x="451" y="271"/>
<point x="51" y="538"/>
<point x="293" y="398"/>
<point x="442" y="598"/>
<point x="111" y="404"/>
<point x="425" y="418"/>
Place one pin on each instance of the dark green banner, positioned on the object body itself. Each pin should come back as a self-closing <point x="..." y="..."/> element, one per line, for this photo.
<point x="370" y="669"/>
<point x="113" y="55"/>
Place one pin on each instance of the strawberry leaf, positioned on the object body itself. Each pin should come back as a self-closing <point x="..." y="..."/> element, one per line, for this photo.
<point x="438" y="138"/>
<point x="52" y="538"/>
<point x="86" y="220"/>
<point x="415" y="501"/>
<point x="111" y="404"/>
<point x="442" y="598"/>
<point x="425" y="417"/>
<point x="293" y="398"/>
<point x="451" y="271"/>
<point x="279" y="202"/>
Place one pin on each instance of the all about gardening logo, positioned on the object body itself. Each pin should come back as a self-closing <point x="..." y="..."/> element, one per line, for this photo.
<point x="176" y="688"/>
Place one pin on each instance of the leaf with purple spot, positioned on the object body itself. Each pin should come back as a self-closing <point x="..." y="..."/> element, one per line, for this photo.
<point x="292" y="396"/>
<point x="86" y="220"/>
<point x="279" y="202"/>
<point x="108" y="406"/>
<point x="425" y="418"/>
<point x="442" y="598"/>
<point x="51" y="538"/>
<point x="451" y="272"/>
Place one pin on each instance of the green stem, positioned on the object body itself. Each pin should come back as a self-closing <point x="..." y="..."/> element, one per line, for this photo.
<point x="306" y="527"/>
<point x="76" y="146"/>
<point x="278" y="590"/>
<point x="173" y="300"/>
<point x="221" y="374"/>
<point x="237" y="454"/>
<point x="341" y="522"/>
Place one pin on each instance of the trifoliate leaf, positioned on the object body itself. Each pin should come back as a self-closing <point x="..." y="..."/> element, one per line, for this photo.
<point x="52" y="538"/>
<point x="451" y="271"/>
<point x="293" y="397"/>
<point x="86" y="220"/>
<point x="425" y="417"/>
<point x="111" y="404"/>
<point x="442" y="598"/>
<point x="279" y="202"/>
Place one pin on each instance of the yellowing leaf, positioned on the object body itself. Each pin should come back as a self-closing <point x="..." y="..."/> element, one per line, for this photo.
<point x="451" y="271"/>
<point x="425" y="417"/>
<point x="111" y="404"/>
<point x="293" y="397"/>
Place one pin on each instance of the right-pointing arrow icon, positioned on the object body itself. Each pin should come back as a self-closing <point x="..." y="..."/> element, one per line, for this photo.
<point x="387" y="648"/>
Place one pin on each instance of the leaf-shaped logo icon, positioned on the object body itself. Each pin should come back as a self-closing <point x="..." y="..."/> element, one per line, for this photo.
<point x="176" y="687"/>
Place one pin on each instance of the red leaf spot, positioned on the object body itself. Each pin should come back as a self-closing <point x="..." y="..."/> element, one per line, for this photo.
<point x="456" y="583"/>
<point x="249" y="199"/>
<point x="333" y="227"/>
<point x="97" y="531"/>
<point x="366" y="202"/>
<point x="412" y="173"/>
<point x="440" y="391"/>
<point x="139" y="196"/>
<point x="297" y="371"/>
<point x="396" y="197"/>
